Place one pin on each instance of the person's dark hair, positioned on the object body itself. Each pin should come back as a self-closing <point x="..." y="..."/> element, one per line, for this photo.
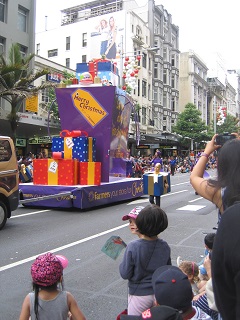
<point x="151" y="220"/>
<point x="228" y="165"/>
<point x="37" y="288"/>
<point x="209" y="239"/>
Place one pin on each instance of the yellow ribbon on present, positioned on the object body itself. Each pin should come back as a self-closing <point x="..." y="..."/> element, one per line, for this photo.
<point x="53" y="171"/>
<point x="68" y="147"/>
<point x="90" y="149"/>
<point x="151" y="184"/>
<point x="91" y="172"/>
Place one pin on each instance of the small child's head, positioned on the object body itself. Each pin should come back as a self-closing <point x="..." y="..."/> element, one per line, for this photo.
<point x="191" y="269"/>
<point x="131" y="216"/>
<point x="47" y="270"/>
<point x="208" y="240"/>
<point x="151" y="221"/>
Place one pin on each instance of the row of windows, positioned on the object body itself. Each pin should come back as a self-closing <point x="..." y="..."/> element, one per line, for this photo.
<point x="23" y="49"/>
<point x="22" y="18"/>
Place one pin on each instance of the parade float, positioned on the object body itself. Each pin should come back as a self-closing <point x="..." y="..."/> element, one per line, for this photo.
<point x="88" y="163"/>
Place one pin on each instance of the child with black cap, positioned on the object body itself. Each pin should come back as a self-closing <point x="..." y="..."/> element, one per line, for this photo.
<point x="172" y="288"/>
<point x="143" y="256"/>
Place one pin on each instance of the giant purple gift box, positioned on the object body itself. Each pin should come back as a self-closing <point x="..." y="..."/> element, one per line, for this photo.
<point x="104" y="113"/>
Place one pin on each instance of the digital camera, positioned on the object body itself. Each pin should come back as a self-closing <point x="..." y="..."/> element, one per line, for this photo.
<point x="222" y="138"/>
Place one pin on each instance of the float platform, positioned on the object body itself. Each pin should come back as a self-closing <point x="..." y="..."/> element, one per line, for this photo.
<point x="80" y="196"/>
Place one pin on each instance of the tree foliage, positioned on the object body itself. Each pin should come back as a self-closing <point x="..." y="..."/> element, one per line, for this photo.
<point x="16" y="82"/>
<point x="190" y="126"/>
<point x="229" y="125"/>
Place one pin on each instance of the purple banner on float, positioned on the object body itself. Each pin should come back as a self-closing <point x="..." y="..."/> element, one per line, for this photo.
<point x="30" y="191"/>
<point x="83" y="197"/>
<point x="110" y="193"/>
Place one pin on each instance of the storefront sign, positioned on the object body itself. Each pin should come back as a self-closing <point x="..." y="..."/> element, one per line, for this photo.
<point x="39" y="140"/>
<point x="36" y="120"/>
<point x="143" y="146"/>
<point x="169" y="147"/>
<point x="20" y="142"/>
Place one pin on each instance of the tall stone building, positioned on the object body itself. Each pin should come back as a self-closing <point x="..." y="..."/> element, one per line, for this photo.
<point x="193" y="84"/>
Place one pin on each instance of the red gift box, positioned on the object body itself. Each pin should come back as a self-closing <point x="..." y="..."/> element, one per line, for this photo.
<point x="40" y="171"/>
<point x="90" y="173"/>
<point x="68" y="172"/>
<point x="55" y="172"/>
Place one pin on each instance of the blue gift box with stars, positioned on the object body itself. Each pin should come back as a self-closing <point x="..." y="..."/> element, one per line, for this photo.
<point x="80" y="148"/>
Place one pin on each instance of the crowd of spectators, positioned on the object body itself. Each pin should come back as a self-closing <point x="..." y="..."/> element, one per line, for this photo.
<point x="135" y="165"/>
<point x="178" y="164"/>
<point x="25" y="166"/>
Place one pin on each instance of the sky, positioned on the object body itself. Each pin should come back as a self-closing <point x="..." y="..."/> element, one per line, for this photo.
<point x="210" y="28"/>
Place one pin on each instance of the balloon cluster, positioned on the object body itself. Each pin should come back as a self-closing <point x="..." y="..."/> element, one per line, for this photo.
<point x="130" y="72"/>
<point x="221" y="115"/>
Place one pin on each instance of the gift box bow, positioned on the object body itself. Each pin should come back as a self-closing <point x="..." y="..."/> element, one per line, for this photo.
<point x="73" y="134"/>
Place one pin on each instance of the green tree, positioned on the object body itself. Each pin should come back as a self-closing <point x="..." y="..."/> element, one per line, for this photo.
<point x="16" y="82"/>
<point x="230" y="125"/>
<point x="190" y="126"/>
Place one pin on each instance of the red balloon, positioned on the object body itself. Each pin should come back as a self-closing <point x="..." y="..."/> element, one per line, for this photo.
<point x="126" y="58"/>
<point x="124" y="87"/>
<point x="132" y="74"/>
<point x="138" y="58"/>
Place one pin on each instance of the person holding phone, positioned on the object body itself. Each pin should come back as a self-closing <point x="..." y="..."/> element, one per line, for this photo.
<point x="225" y="189"/>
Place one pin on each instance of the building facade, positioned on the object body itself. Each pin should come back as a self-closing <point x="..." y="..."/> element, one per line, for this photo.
<point x="193" y="84"/>
<point x="17" y="25"/>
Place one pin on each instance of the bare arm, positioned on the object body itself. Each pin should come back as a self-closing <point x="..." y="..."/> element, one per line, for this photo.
<point x="76" y="313"/>
<point x="199" y="183"/>
<point x="207" y="266"/>
<point x="25" y="312"/>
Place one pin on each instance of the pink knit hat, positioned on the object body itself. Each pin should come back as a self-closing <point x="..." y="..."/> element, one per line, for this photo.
<point x="46" y="270"/>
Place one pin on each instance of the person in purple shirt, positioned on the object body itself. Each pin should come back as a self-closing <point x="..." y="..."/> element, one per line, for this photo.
<point x="157" y="158"/>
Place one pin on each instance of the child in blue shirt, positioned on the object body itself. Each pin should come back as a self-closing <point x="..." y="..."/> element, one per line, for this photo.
<point x="143" y="256"/>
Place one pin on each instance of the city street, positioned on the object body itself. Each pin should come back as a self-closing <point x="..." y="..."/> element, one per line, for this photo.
<point x="91" y="276"/>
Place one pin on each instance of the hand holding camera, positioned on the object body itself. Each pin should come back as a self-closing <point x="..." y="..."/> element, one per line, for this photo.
<point x="223" y="138"/>
<point x="218" y="141"/>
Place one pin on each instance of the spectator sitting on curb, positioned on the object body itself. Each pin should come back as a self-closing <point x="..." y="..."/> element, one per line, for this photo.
<point x="172" y="288"/>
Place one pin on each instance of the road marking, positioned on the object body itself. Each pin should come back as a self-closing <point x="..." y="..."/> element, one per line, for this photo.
<point x="178" y="184"/>
<point x="196" y="199"/>
<point x="189" y="237"/>
<point x="17" y="263"/>
<point x="29" y="214"/>
<point x="147" y="200"/>
<point x="190" y="207"/>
